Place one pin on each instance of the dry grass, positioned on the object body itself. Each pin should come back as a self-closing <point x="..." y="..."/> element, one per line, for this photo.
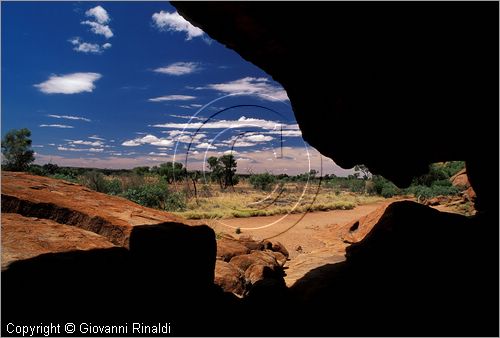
<point x="244" y="201"/>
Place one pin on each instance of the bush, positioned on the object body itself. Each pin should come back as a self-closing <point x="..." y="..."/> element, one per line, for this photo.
<point x="156" y="196"/>
<point x="425" y="192"/>
<point x="148" y="195"/>
<point x="175" y="201"/>
<point x="384" y="187"/>
<point x="453" y="167"/>
<point x="389" y="191"/>
<point x="36" y="169"/>
<point x="113" y="187"/>
<point x="131" y="181"/>
<point x="94" y="180"/>
<point x="263" y="181"/>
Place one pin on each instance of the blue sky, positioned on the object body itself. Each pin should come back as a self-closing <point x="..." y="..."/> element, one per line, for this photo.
<point x="123" y="84"/>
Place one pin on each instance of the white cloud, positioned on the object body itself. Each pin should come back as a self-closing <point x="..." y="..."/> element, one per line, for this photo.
<point x="98" y="28"/>
<point x="252" y="86"/>
<point x="131" y="143"/>
<point x="92" y="150"/>
<point x="188" y="117"/>
<point x="95" y="137"/>
<point x="162" y="143"/>
<point x="172" y="98"/>
<point x="184" y="136"/>
<point x="55" y="126"/>
<point x="158" y="154"/>
<point x="257" y="138"/>
<point x="148" y="139"/>
<point x="88" y="143"/>
<point x="179" y="68"/>
<point x="248" y="140"/>
<point x="69" y="84"/>
<point x="85" y="47"/>
<point x="205" y="145"/>
<point x="241" y="122"/>
<point x="241" y="144"/>
<point x="99" y="14"/>
<point x="70" y="117"/>
<point x="286" y="133"/>
<point x="166" y="21"/>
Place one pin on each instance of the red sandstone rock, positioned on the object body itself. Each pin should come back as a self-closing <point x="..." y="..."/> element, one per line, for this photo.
<point x="229" y="278"/>
<point x="28" y="237"/>
<point x="243" y="262"/>
<point x="69" y="203"/>
<point x="228" y="248"/>
<point x="460" y="179"/>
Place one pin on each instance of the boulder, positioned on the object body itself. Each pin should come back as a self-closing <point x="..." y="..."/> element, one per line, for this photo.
<point x="278" y="247"/>
<point x="460" y="179"/>
<point x="243" y="262"/>
<point x="228" y="248"/>
<point x="469" y="194"/>
<point x="250" y="243"/>
<point x="257" y="272"/>
<point x="280" y="258"/>
<point x="229" y="278"/>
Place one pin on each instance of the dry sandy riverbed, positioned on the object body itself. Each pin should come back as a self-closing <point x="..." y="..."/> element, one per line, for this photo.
<point x="303" y="228"/>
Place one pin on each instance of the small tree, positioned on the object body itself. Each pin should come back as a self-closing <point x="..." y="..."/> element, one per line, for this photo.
<point x="16" y="149"/>
<point x="229" y="170"/>
<point x="172" y="171"/>
<point x="223" y="170"/>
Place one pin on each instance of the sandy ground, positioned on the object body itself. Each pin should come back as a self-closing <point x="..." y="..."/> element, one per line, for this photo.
<point x="312" y="239"/>
<point x="294" y="230"/>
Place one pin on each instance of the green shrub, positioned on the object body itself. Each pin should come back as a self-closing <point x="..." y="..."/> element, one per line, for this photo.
<point x="389" y="191"/>
<point x="425" y="192"/>
<point x="36" y="169"/>
<point x="175" y="201"/>
<point x="263" y="181"/>
<point x="113" y="187"/>
<point x="453" y="167"/>
<point x="350" y="184"/>
<point x="151" y="196"/>
<point x="156" y="196"/>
